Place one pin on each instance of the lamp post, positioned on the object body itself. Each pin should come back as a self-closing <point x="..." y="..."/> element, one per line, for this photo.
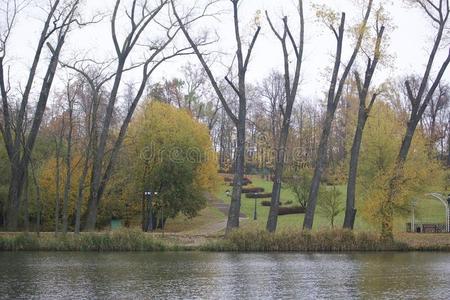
<point x="148" y="195"/>
<point x="255" y="217"/>
<point x="413" y="217"/>
<point x="127" y="217"/>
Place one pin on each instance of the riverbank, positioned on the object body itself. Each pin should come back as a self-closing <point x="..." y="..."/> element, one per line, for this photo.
<point x="240" y="240"/>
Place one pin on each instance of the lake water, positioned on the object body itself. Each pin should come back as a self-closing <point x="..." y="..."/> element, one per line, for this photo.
<point x="198" y="275"/>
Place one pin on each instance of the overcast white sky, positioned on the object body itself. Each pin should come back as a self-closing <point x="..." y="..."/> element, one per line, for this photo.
<point x="409" y="40"/>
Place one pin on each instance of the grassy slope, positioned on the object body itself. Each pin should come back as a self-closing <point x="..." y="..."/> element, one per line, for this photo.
<point x="210" y="215"/>
<point x="288" y="221"/>
<point x="427" y="210"/>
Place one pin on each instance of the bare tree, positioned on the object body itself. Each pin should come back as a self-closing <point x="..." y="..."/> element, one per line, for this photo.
<point x="438" y="11"/>
<point x="94" y="75"/>
<point x="287" y="41"/>
<point x="141" y="15"/>
<point x="334" y="96"/>
<point x="363" y="114"/>
<point x="58" y="138"/>
<point x="434" y="115"/>
<point x="240" y="90"/>
<point x="70" y="96"/>
<point x="38" y="198"/>
<point x="448" y="140"/>
<point x="61" y="15"/>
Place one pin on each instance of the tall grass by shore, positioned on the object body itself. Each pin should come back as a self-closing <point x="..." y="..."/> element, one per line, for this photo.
<point x="122" y="240"/>
<point x="242" y="240"/>
<point x="303" y="241"/>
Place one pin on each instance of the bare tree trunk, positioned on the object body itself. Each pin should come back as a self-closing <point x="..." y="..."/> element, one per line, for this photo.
<point x="334" y="97"/>
<point x="363" y="114"/>
<point x="272" y="219"/>
<point x="102" y="169"/>
<point x="448" y="146"/>
<point x="54" y="25"/>
<point x="58" y="143"/>
<point x="38" y="200"/>
<point x="350" y="211"/>
<point x="290" y="94"/>
<point x="14" y="193"/>
<point x="68" y="183"/>
<point x="95" y="82"/>
<point x="26" y="195"/>
<point x="100" y="152"/>
<point x="240" y="120"/>
<point x="80" y="195"/>
<point x="235" y="205"/>
<point x="439" y="14"/>
<point x="318" y="171"/>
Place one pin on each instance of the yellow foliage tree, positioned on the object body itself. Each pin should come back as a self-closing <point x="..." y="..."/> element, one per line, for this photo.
<point x="382" y="139"/>
<point x="169" y="152"/>
<point x="48" y="189"/>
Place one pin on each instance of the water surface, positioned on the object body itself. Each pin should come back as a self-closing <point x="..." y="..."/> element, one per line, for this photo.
<point x="198" y="275"/>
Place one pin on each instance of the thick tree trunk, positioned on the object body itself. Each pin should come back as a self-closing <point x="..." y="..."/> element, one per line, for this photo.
<point x="2" y="214"/>
<point x="90" y="148"/>
<point x="80" y="195"/>
<point x="58" y="26"/>
<point x="448" y="147"/>
<point x="318" y="171"/>
<point x="240" y="90"/>
<point x="38" y="202"/>
<point x="350" y="211"/>
<point x="290" y="91"/>
<point x="100" y="178"/>
<point x="99" y="152"/>
<point x="26" y="214"/>
<point x="407" y="141"/>
<point x="235" y="205"/>
<point x="57" y="185"/>
<point x="333" y="99"/>
<point x="363" y="114"/>
<point x="272" y="219"/>
<point x="387" y="210"/>
<point x="67" y="187"/>
<point x="14" y="194"/>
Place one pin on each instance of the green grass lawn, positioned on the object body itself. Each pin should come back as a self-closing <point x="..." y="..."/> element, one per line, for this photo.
<point x="427" y="211"/>
<point x="209" y="215"/>
<point x="430" y="211"/>
<point x="287" y="221"/>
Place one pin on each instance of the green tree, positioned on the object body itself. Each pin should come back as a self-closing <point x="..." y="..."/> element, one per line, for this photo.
<point x="299" y="183"/>
<point x="170" y="153"/>
<point x="329" y="203"/>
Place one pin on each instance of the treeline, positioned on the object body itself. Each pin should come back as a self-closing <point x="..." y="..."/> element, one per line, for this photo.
<point x="389" y="135"/>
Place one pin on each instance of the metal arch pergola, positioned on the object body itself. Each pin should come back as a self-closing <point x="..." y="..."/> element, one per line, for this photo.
<point x="439" y="197"/>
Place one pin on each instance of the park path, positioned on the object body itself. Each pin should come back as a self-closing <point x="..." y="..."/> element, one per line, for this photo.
<point x="217" y="227"/>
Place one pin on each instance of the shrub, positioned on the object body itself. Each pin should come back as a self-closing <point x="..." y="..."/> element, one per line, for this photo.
<point x="248" y="190"/>
<point x="258" y="195"/>
<point x="299" y="183"/>
<point x="291" y="210"/>
<point x="268" y="203"/>
<point x="245" y="181"/>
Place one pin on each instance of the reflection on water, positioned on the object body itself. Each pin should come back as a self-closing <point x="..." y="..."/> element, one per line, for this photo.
<point x="224" y="275"/>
